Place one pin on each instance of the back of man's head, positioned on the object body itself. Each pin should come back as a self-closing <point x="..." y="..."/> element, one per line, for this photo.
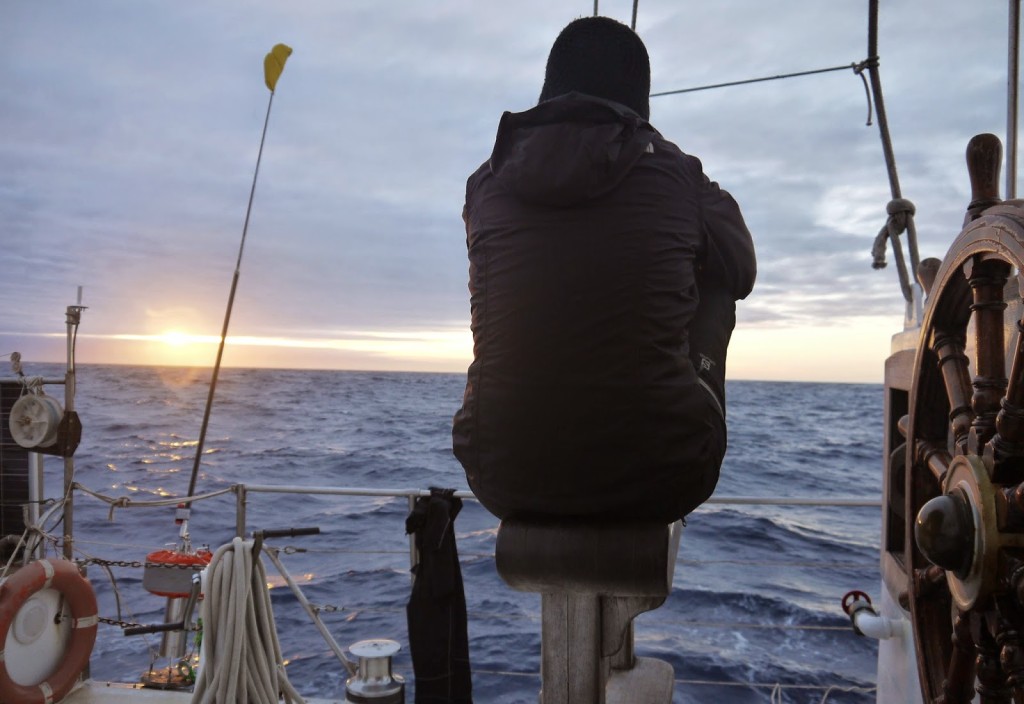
<point x="600" y="57"/>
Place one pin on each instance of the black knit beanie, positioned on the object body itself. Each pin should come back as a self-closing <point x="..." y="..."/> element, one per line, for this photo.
<point x="600" y="57"/>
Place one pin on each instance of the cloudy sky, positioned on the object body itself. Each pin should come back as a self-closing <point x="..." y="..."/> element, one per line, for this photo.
<point x="130" y="130"/>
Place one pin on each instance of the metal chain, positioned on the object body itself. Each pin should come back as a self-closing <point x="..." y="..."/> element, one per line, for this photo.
<point x="138" y="563"/>
<point x="115" y="622"/>
<point x="131" y="624"/>
<point x="109" y="563"/>
<point x="327" y="608"/>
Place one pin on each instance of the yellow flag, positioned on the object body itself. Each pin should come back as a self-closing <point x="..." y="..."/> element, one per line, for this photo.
<point x="273" y="64"/>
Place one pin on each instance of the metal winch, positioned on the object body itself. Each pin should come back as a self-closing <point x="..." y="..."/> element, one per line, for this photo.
<point x="374" y="682"/>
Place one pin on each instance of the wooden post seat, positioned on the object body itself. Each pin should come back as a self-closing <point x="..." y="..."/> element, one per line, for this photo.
<point x="594" y="577"/>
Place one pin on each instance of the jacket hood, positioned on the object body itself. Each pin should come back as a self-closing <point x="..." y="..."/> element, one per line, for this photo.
<point x="568" y="150"/>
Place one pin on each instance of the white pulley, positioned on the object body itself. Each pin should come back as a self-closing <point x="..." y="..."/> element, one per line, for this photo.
<point x="34" y="420"/>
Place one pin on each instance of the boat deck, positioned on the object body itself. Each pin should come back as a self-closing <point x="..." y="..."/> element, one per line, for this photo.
<point x="92" y="692"/>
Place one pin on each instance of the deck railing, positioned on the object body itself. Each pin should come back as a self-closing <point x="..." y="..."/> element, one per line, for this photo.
<point x="243" y="492"/>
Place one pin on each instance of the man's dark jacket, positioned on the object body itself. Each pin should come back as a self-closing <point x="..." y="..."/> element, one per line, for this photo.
<point x="592" y="241"/>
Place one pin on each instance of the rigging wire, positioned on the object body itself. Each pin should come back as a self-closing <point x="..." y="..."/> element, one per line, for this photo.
<point x="876" y="88"/>
<point x="1013" y="78"/>
<point x="901" y="211"/>
<point x="855" y="67"/>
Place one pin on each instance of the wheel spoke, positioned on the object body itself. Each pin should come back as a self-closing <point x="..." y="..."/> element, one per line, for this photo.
<point x="1008" y="443"/>
<point x="936" y="458"/>
<point x="958" y="688"/>
<point x="1011" y="654"/>
<point x="987" y="278"/>
<point x="949" y="348"/>
<point x="992" y="685"/>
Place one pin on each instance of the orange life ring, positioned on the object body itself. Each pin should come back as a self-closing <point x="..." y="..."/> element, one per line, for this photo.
<point x="63" y="576"/>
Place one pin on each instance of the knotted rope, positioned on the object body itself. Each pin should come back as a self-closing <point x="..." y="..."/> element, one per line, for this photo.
<point x="901" y="219"/>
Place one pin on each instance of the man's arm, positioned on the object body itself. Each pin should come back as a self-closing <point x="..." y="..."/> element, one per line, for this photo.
<point x="730" y="261"/>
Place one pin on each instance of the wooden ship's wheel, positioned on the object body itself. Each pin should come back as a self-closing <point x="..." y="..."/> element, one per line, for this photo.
<point x="963" y="461"/>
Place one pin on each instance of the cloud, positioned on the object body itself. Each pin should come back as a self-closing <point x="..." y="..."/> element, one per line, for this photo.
<point x="131" y="135"/>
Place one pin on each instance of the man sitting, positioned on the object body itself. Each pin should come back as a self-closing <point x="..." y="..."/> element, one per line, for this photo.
<point x="604" y="270"/>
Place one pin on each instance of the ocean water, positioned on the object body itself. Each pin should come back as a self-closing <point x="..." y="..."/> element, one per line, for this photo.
<point x="757" y="589"/>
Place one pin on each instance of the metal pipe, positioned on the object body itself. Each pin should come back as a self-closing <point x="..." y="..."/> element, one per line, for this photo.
<point x="240" y="498"/>
<point x="876" y="90"/>
<point x="414" y="556"/>
<point x="890" y="157"/>
<point x="344" y="491"/>
<point x="879" y="627"/>
<point x="172" y="643"/>
<point x="397" y="493"/>
<point x="73" y="315"/>
<point x="784" y="501"/>
<point x="242" y="491"/>
<point x="46" y="382"/>
<point x="331" y="643"/>
<point x="1012" y="100"/>
<point x="35" y="495"/>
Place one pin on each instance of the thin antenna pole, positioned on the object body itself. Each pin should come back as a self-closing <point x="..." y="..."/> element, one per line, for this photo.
<point x="595" y="8"/>
<point x="227" y="315"/>
<point x="633" y="25"/>
<point x="1012" y="101"/>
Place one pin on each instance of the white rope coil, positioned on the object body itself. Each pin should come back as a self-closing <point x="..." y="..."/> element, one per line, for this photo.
<point x="241" y="654"/>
